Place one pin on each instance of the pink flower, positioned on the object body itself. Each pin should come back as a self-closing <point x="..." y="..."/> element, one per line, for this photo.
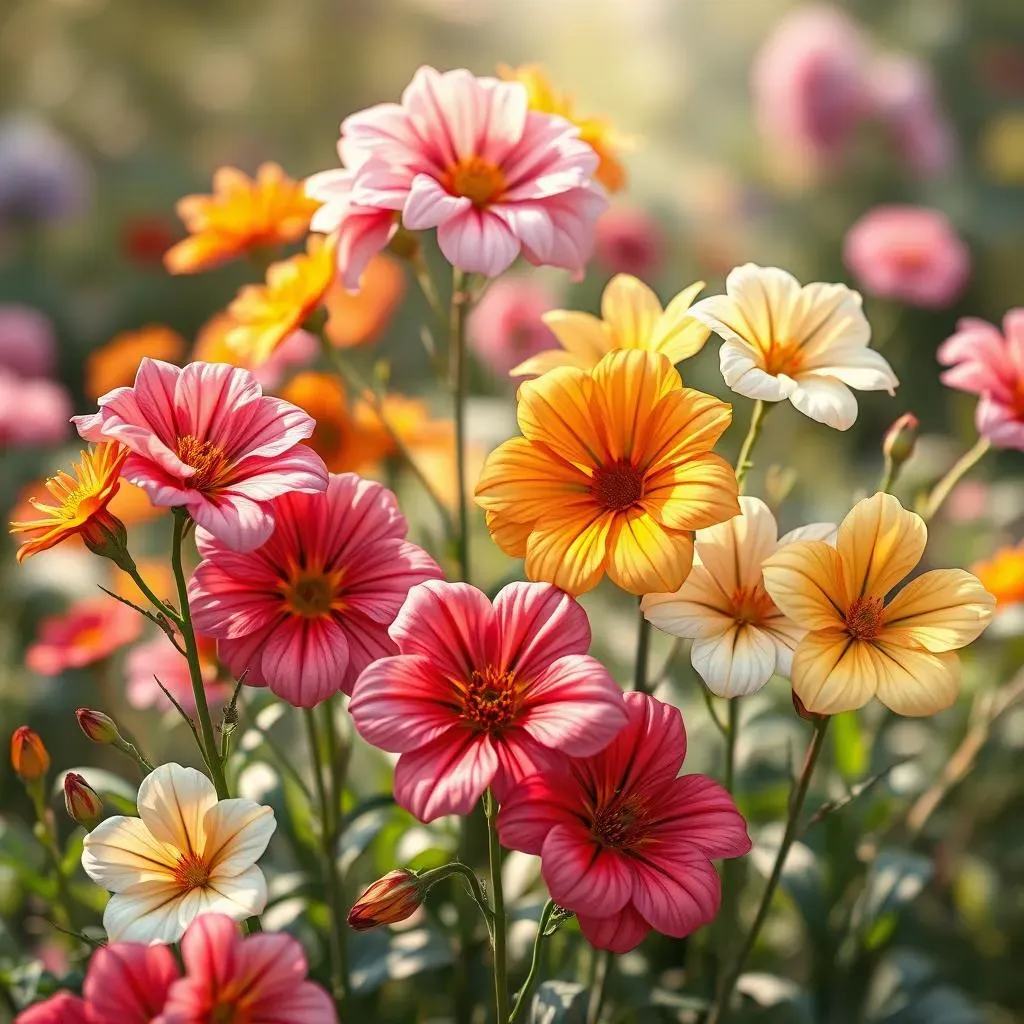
<point x="629" y="241"/>
<point x="28" y="342"/>
<point x="466" y="156"/>
<point x="505" y="327"/>
<point x="309" y="610"/>
<point x="230" y="978"/>
<point x="991" y="366"/>
<point x="484" y="695"/>
<point x="623" y="842"/>
<point x="205" y="437"/>
<point x="88" y="632"/>
<point x="62" y="1008"/>
<point x="299" y="349"/>
<point x="909" y="253"/>
<point x="157" y="659"/>
<point x="32" y="412"/>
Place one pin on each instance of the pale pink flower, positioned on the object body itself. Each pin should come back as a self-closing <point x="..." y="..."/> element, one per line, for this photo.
<point x="624" y="841"/>
<point x="299" y="349"/>
<point x="464" y="155"/>
<point x="991" y="366"/>
<point x="157" y="659"/>
<point x="88" y="632"/>
<point x="206" y="438"/>
<point x="482" y="695"/>
<point x="506" y="326"/>
<point x="32" y="412"/>
<point x="305" y="613"/>
<point x="28" y="342"/>
<point x="231" y="978"/>
<point x="909" y="253"/>
<point x="629" y="241"/>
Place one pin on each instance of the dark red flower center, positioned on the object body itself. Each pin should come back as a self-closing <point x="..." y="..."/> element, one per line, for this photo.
<point x="864" y="618"/>
<point x="621" y="825"/>
<point x="618" y="486"/>
<point x="490" y="698"/>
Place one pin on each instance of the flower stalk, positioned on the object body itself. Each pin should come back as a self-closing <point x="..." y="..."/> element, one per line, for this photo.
<point x="543" y="930"/>
<point x="942" y="490"/>
<point x="457" y="370"/>
<point x="499" y="926"/>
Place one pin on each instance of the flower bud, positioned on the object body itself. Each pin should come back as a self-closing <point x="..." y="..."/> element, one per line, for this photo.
<point x="81" y="800"/>
<point x="900" y="439"/>
<point x="801" y="710"/>
<point x="394" y="897"/>
<point x="105" y="535"/>
<point x="98" y="727"/>
<point x="28" y="755"/>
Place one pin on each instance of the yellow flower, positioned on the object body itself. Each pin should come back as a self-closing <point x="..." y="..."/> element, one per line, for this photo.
<point x="596" y="132"/>
<point x="1003" y="575"/>
<point x="613" y="474"/>
<point x="632" y="317"/>
<point x="114" y="364"/>
<point x="241" y="216"/>
<point x="859" y="646"/>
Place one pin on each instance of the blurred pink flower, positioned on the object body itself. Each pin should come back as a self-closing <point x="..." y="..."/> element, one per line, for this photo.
<point x="505" y="327"/>
<point x="89" y="631"/>
<point x="28" y="342"/>
<point x="297" y="350"/>
<point x="908" y="253"/>
<point x="157" y="659"/>
<point x="206" y="438"/>
<point x="33" y="411"/>
<point x="991" y="366"/>
<point x="464" y="155"/>
<point x="62" y="1008"/>
<point x="629" y="241"/>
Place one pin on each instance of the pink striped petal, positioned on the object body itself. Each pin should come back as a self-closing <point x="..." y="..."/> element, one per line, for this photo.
<point x="305" y="660"/>
<point x="581" y="874"/>
<point x="538" y="623"/>
<point x="676" y="893"/>
<point x="699" y="813"/>
<point x="478" y="242"/>
<point x="447" y="776"/>
<point x="618" y="933"/>
<point x="534" y="807"/>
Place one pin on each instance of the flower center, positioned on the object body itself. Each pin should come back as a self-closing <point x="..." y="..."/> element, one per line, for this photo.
<point x="491" y="698"/>
<point x="782" y="357"/>
<point x="622" y="825"/>
<point x="223" y="1013"/>
<point x="864" y="618"/>
<point x="312" y="594"/>
<point x="477" y="179"/>
<point x="191" y="872"/>
<point x="751" y="604"/>
<point x="618" y="486"/>
<point x="208" y="461"/>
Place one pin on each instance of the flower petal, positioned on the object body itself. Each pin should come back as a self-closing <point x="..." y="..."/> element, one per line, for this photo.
<point x="941" y="610"/>
<point x="805" y="580"/>
<point x="447" y="776"/>
<point x="581" y="335"/>
<point x="535" y="807"/>
<point x="305" y="661"/>
<point x="570" y="551"/>
<point x="677" y="890"/>
<point x="632" y="311"/>
<point x="699" y="812"/>
<point x="742" y="372"/>
<point x="149" y="913"/>
<point x="916" y="682"/>
<point x="825" y="400"/>
<point x="173" y="802"/>
<point x="645" y="557"/>
<point x="237" y="834"/>
<point x="735" y="663"/>
<point x="556" y="410"/>
<point x="120" y="852"/>
<point x="693" y="495"/>
<point x="618" y="933"/>
<point x="833" y="672"/>
<point x="538" y="624"/>
<point x="677" y="335"/>
<point x="580" y="873"/>
<point x="697" y="609"/>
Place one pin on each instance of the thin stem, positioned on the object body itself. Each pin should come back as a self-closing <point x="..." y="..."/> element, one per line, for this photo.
<point x="498" y="931"/>
<point x="426" y="282"/>
<point x="643" y="647"/>
<point x="602" y="969"/>
<point x="732" y="728"/>
<point x="156" y="602"/>
<point x="45" y="832"/>
<point x="888" y="476"/>
<point x="523" y="999"/>
<point x="457" y="369"/>
<point x="721" y="1008"/>
<point x="941" y="491"/>
<point x="744" y="462"/>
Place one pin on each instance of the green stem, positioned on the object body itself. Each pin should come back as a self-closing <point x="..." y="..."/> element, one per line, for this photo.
<point x="959" y="469"/>
<point x="46" y="834"/>
<point x="643" y="648"/>
<point x="732" y="729"/>
<point x="602" y="969"/>
<point x="457" y="369"/>
<point x="426" y="282"/>
<point x="499" y="929"/>
<point x="889" y="475"/>
<point x="523" y="999"/>
<point x="744" y="462"/>
<point x="156" y="602"/>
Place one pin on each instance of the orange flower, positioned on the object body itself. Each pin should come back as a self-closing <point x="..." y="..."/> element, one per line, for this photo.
<point x="29" y="758"/>
<point x="113" y="365"/>
<point x="1003" y="575"/>
<point x="266" y="314"/>
<point x="613" y="474"/>
<point x="241" y="216"/>
<point x="355" y="318"/>
<point x="82" y="501"/>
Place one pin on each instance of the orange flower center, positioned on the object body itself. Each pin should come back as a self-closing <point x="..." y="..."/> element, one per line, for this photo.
<point x="782" y="357"/>
<point x="208" y="461"/>
<point x="618" y="486"/>
<point x="864" y="618"/>
<point x="191" y="872"/>
<point x="490" y="698"/>
<point x="477" y="179"/>
<point x="622" y="825"/>
<point x="312" y="593"/>
<point x="751" y="604"/>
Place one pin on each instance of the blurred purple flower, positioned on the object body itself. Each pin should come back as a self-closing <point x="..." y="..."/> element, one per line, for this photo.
<point x="33" y="411"/>
<point x="629" y="241"/>
<point x="28" y="343"/>
<point x="506" y="326"/>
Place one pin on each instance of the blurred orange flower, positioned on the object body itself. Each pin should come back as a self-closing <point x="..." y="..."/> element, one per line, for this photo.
<point x="242" y="215"/>
<point x="355" y="318"/>
<point x="89" y="631"/>
<point x="1003" y="575"/>
<point x="113" y="365"/>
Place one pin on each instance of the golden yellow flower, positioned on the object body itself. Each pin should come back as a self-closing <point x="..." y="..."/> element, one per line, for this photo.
<point x="613" y="474"/>
<point x="114" y="364"/>
<point x="356" y="318"/>
<point x="859" y="646"/>
<point x="242" y="215"/>
<point x="631" y="317"/>
<point x="1003" y="575"/>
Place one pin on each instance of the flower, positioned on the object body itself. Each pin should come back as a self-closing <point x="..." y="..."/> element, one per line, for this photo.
<point x="613" y="474"/>
<point x="81" y="801"/>
<point x="632" y="318"/>
<point x="82" y="497"/>
<point x="98" y="727"/>
<point x="807" y="343"/>
<point x="858" y="646"/>
<point x="464" y="155"/>
<point x="358" y="318"/>
<point x="29" y="758"/>
<point x="908" y="253"/>
<point x="629" y="241"/>
<point x="90" y="631"/>
<point x="33" y="411"/>
<point x="62" y="1008"/>
<point x="393" y="898"/>
<point x="306" y="612"/>
<point x="991" y="366"/>
<point x="242" y="216"/>
<point x="481" y="695"/>
<point x="187" y="854"/>
<point x="900" y="439"/>
<point x="265" y="315"/>
<point x="157" y="659"/>
<point x="115" y="364"/>
<point x="230" y="978"/>
<point x="506" y="326"/>
<point x="740" y="638"/>
<point x="1003" y="575"/>
<point x="205" y="438"/>
<point x="624" y="841"/>
<point x="28" y="341"/>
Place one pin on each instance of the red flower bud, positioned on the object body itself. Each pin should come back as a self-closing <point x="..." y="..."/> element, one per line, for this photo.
<point x="801" y="710"/>
<point x="392" y="898"/>
<point x="28" y="755"/>
<point x="81" y="800"/>
<point x="98" y="727"/>
<point x="900" y="439"/>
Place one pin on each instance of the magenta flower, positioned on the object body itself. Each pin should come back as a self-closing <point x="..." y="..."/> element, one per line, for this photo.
<point x="464" y="155"/>
<point x="991" y="366"/>
<point x="230" y="978"/>
<point x="205" y="438"/>
<point x="305" y="613"/>
<point x="623" y="840"/>
<point x="909" y="253"/>
<point x="506" y="326"/>
<point x="484" y="695"/>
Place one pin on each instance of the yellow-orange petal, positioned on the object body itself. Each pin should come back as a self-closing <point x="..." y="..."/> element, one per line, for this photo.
<point x="114" y="364"/>
<point x="631" y="310"/>
<point x="1003" y="575"/>
<point x="582" y="335"/>
<point x="916" y="682"/>
<point x="361" y="317"/>
<point x="685" y="423"/>
<point x="694" y="494"/>
<point x="832" y="672"/>
<point x="805" y="580"/>
<point x="677" y="335"/>
<point x="510" y="536"/>
<point x="941" y="610"/>
<point x="644" y="557"/>
<point x="543" y="362"/>
<point x="556" y="410"/>
<point x="569" y="551"/>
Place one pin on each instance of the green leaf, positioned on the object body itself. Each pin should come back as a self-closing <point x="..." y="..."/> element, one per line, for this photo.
<point x="559" y="1002"/>
<point x="895" y="878"/>
<point x="850" y="748"/>
<point x="380" y="956"/>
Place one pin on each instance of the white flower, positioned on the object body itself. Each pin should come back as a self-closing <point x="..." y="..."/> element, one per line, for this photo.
<point x="740" y="638"/>
<point x="806" y="343"/>
<point x="187" y="854"/>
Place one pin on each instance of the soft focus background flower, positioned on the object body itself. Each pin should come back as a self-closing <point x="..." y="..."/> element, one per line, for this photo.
<point x="507" y="325"/>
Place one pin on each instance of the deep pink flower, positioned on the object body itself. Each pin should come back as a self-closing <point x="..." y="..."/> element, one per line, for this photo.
<point x="28" y="342"/>
<point x="623" y="841"/>
<point x="32" y="412"/>
<point x="466" y="156"/>
<point x="205" y="437"/>
<point x="991" y="366"/>
<point x="62" y="1008"/>
<point x="309" y="610"/>
<point x="505" y="327"/>
<point x="909" y="253"/>
<point x="157" y="659"/>
<point x="483" y="695"/>
<point x="89" y="631"/>
<point x="629" y="241"/>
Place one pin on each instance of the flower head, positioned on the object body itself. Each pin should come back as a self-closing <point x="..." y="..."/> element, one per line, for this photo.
<point x="464" y="155"/>
<point x="507" y="324"/>
<point x="613" y="474"/>
<point x="740" y="638"/>
<point x="156" y="659"/>
<point x="624" y="841"/>
<point x="306" y="612"/>
<point x="393" y="898"/>
<point x="205" y="438"/>
<point x="243" y="215"/>
<point x="29" y="757"/>
<point x="807" y="343"/>
<point x="1002" y="575"/>
<point x="90" y="631"/>
<point x="187" y="854"/>
<point x="115" y="364"/>
<point x="629" y="241"/>
<point x="98" y="727"/>
<point x="359" y="318"/>
<point x="481" y="695"/>
<point x="861" y="645"/>
<point x="631" y="318"/>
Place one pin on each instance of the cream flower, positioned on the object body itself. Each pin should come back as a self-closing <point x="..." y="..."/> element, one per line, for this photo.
<point x="807" y="343"/>
<point x="632" y="317"/>
<point x="187" y="854"/>
<point x="859" y="646"/>
<point x="740" y="638"/>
